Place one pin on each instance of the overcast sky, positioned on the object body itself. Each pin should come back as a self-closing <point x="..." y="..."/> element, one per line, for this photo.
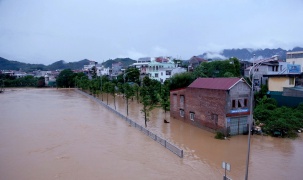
<point x="45" y="31"/>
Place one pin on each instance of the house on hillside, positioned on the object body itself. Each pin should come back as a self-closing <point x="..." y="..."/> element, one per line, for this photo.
<point x="195" y="61"/>
<point x="217" y="104"/>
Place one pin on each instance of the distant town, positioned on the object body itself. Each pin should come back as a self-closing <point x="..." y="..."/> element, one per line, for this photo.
<point x="223" y="88"/>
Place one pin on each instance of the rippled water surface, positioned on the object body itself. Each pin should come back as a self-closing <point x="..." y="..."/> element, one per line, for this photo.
<point x="61" y="134"/>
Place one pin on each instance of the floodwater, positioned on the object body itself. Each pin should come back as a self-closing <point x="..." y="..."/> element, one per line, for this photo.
<point x="61" y="134"/>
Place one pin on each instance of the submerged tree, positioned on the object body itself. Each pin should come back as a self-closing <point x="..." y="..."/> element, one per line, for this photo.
<point x="164" y="99"/>
<point x="106" y="87"/>
<point x="112" y="91"/>
<point x="66" y="78"/>
<point x="148" y="97"/>
<point x="129" y="93"/>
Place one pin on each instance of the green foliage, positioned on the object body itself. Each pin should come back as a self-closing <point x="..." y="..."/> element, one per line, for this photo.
<point x="281" y="118"/>
<point x="199" y="71"/>
<point x="226" y="68"/>
<point x="66" y="79"/>
<point x="219" y="135"/>
<point x="164" y="98"/>
<point x="27" y="81"/>
<point x="41" y="82"/>
<point x="228" y="74"/>
<point x="181" y="80"/>
<point x="129" y="92"/>
<point x="133" y="75"/>
<point x="148" y="97"/>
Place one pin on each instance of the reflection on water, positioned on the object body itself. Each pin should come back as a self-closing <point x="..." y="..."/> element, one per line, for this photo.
<point x="60" y="134"/>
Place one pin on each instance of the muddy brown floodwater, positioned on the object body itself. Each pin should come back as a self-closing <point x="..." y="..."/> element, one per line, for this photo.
<point x="61" y="134"/>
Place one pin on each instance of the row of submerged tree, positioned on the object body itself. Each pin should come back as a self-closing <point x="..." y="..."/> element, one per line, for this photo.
<point x="150" y="93"/>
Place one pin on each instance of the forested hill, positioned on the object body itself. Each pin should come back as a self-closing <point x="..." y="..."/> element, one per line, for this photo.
<point x="125" y="62"/>
<point x="15" y="65"/>
<point x="248" y="54"/>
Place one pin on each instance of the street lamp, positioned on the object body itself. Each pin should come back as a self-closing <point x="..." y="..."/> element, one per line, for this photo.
<point x="124" y="75"/>
<point x="101" y="88"/>
<point x="251" y="107"/>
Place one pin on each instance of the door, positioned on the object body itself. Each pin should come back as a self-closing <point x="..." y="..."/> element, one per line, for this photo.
<point x="238" y="125"/>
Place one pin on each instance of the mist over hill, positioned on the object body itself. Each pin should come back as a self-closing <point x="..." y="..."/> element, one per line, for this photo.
<point x="242" y="54"/>
<point x="248" y="54"/>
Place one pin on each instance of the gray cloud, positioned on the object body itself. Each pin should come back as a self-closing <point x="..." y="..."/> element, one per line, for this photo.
<point x="46" y="31"/>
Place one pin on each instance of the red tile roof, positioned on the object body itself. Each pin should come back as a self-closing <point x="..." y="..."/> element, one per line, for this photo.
<point x="215" y="83"/>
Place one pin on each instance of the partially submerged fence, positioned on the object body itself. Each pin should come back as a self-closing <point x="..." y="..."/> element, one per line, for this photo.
<point x="173" y="148"/>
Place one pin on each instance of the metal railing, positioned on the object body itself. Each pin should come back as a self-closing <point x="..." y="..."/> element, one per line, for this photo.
<point x="168" y="145"/>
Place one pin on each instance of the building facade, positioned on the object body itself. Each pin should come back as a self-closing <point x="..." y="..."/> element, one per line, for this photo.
<point x="216" y="104"/>
<point x="295" y="57"/>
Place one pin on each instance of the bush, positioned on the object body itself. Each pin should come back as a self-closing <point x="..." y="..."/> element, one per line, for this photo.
<point x="219" y="135"/>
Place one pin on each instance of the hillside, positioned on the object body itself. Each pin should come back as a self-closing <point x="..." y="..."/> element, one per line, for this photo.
<point x="125" y="61"/>
<point x="71" y="65"/>
<point x="15" y="65"/>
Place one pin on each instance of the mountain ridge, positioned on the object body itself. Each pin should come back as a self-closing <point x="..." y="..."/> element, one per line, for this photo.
<point x="248" y="53"/>
<point x="6" y="64"/>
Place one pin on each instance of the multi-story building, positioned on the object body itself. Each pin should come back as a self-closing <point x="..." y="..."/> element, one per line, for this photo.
<point x="102" y="71"/>
<point x="295" y="57"/>
<point x="217" y="104"/>
<point x="155" y="69"/>
<point x="265" y="68"/>
<point x="159" y="68"/>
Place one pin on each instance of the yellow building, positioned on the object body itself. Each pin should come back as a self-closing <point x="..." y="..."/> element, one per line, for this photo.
<point x="279" y="81"/>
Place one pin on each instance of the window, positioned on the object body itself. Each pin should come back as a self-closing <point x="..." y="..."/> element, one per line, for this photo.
<point x="233" y="103"/>
<point x="192" y="116"/>
<point x="214" y="117"/>
<point x="182" y="98"/>
<point x="156" y="74"/>
<point x="182" y="112"/>
<point x="174" y="99"/>
<point x="168" y="72"/>
<point x="239" y="103"/>
<point x="161" y="73"/>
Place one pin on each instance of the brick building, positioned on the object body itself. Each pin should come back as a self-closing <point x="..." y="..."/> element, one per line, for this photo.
<point x="217" y="104"/>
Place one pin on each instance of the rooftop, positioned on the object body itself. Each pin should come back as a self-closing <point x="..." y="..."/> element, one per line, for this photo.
<point x="215" y="83"/>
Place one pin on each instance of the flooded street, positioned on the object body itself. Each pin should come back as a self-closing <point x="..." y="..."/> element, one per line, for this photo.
<point x="61" y="134"/>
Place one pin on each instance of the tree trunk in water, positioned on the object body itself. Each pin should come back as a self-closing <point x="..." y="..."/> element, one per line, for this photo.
<point x="145" y="119"/>
<point x="115" y="102"/>
<point x="126" y="107"/>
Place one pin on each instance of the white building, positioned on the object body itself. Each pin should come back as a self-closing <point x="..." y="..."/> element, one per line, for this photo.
<point x="89" y="66"/>
<point x="101" y="70"/>
<point x="159" y="68"/>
